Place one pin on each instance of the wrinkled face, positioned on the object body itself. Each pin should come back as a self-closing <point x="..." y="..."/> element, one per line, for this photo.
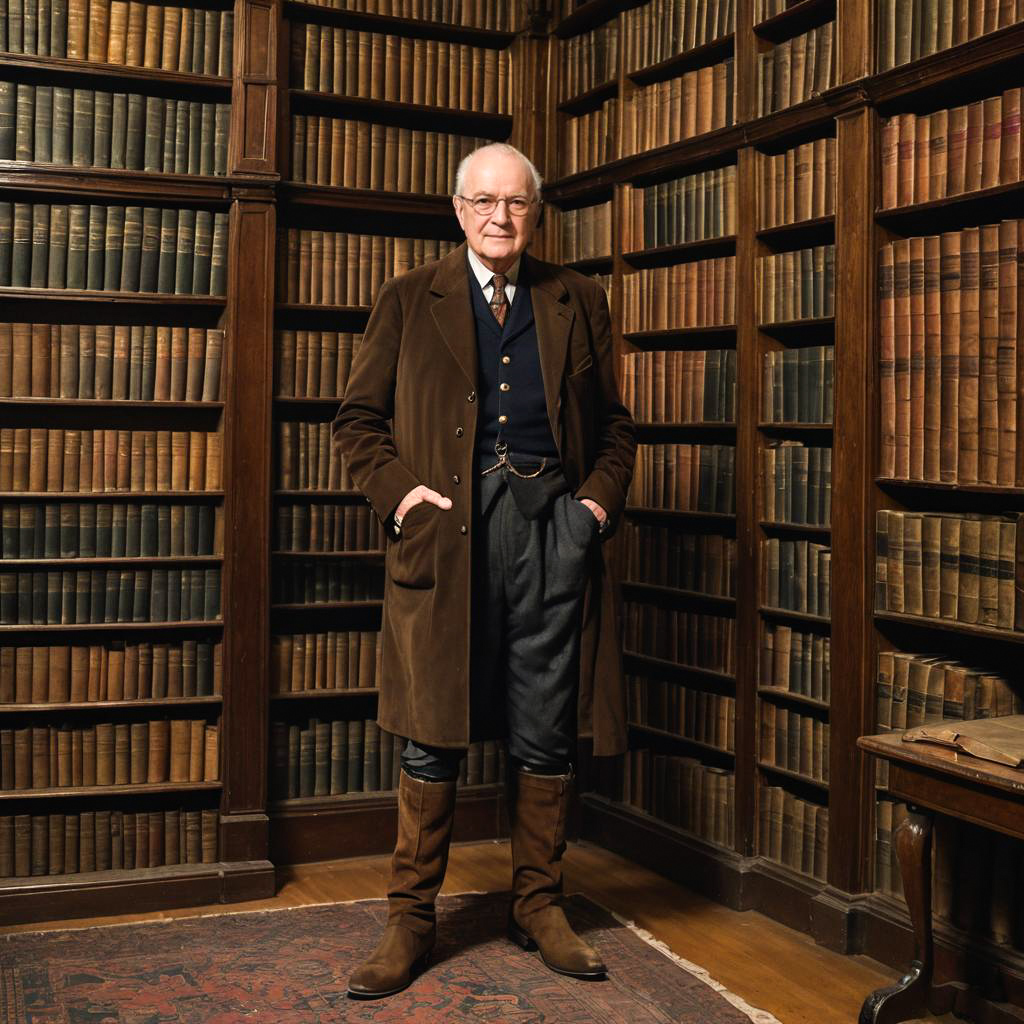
<point x="499" y="236"/>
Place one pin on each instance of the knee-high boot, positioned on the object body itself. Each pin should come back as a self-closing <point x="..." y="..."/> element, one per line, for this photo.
<point x="536" y="920"/>
<point x="426" y="811"/>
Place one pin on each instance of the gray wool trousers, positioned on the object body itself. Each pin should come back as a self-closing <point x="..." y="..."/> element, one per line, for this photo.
<point x="532" y="541"/>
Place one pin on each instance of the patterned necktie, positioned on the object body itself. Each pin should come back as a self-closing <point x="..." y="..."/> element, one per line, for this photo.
<point x="499" y="301"/>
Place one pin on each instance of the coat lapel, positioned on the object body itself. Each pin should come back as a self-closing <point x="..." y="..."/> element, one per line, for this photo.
<point x="453" y="311"/>
<point x="554" y="324"/>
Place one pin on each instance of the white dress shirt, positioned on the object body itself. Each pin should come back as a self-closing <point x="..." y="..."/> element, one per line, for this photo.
<point x="483" y="275"/>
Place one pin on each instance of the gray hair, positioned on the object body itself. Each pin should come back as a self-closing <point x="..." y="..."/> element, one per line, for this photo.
<point x="505" y="149"/>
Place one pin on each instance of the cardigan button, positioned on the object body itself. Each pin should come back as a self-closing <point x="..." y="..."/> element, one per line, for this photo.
<point x="459" y="431"/>
<point x="471" y="397"/>
<point x="463" y="528"/>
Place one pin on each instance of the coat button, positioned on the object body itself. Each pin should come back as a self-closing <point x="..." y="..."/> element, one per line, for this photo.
<point x="456" y="479"/>
<point x="506" y="360"/>
<point x="459" y="431"/>
<point x="503" y="419"/>
<point x="504" y="386"/>
<point x="471" y="397"/>
<point x="463" y="529"/>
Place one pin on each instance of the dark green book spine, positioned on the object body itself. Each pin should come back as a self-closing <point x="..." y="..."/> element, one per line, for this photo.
<point x="136" y="138"/>
<point x="132" y="259"/>
<point x="59" y="28"/>
<point x="30" y="26"/>
<point x="181" y="131"/>
<point x="185" y="252"/>
<point x="221" y="131"/>
<point x="170" y="129"/>
<point x="44" y="125"/>
<point x="21" y="259"/>
<point x="168" y="250"/>
<point x="119" y="131"/>
<point x="63" y="106"/>
<point x="195" y="136"/>
<point x="219" y="265"/>
<point x="154" y="134"/>
<point x="113" y="248"/>
<point x="8" y="119"/>
<point x="67" y="540"/>
<point x="96" y="261"/>
<point x="212" y="593"/>
<point x="6" y="241"/>
<point x="15" y="26"/>
<point x="40" y="245"/>
<point x="150" y="253"/>
<point x="103" y="106"/>
<point x="104" y="529"/>
<point x="58" y="263"/>
<point x="78" y="230"/>
<point x="203" y="253"/>
<point x="82" y="115"/>
<point x="43" y="29"/>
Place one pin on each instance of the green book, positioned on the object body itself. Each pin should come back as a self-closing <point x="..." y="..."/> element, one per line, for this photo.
<point x="135" y="133"/>
<point x="113" y="248"/>
<point x="131" y="261"/>
<point x="21" y="258"/>
<point x="168" y="249"/>
<point x="40" y="245"/>
<point x="203" y="253"/>
<point x="148" y="544"/>
<point x="181" y="132"/>
<point x="58" y="28"/>
<point x="103" y="106"/>
<point x="195" y="137"/>
<point x="219" y="259"/>
<point x="82" y="115"/>
<point x="168" y="143"/>
<point x="15" y="26"/>
<point x="96" y="259"/>
<point x="43" y="134"/>
<point x="6" y="241"/>
<point x="25" y="106"/>
<point x="58" y="244"/>
<point x="119" y="131"/>
<point x="221" y="131"/>
<point x="150" y="251"/>
<point x="78" y="227"/>
<point x="104" y="529"/>
<point x="63" y="107"/>
<point x="8" y="119"/>
<point x="104" y="347"/>
<point x="30" y="26"/>
<point x="154" y="134"/>
<point x="186" y="242"/>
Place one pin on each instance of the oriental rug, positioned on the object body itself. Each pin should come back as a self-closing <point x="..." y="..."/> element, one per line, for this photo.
<point x="291" y="966"/>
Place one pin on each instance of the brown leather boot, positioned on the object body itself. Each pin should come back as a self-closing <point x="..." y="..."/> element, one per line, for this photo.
<point x="536" y="921"/>
<point x="426" y="811"/>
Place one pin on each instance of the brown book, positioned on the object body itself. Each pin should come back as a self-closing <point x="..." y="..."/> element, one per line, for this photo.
<point x="901" y="365"/>
<point x="968" y="363"/>
<point x="1006" y="352"/>
<point x="158" y="753"/>
<point x="950" y="354"/>
<point x="988" y="352"/>
<point x="932" y="358"/>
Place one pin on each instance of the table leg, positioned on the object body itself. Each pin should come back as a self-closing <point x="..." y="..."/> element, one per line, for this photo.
<point x="909" y="996"/>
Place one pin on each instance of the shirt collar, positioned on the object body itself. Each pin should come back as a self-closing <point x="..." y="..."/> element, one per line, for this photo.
<point x="483" y="275"/>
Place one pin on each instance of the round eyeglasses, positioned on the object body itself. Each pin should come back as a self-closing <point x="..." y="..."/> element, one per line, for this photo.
<point x="486" y="205"/>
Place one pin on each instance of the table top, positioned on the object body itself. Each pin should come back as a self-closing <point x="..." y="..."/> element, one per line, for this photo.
<point x="932" y="758"/>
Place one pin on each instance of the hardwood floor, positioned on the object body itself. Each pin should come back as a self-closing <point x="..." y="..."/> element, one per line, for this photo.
<point x="769" y="965"/>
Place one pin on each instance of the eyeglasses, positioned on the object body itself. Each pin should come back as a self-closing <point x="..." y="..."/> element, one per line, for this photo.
<point x="486" y="205"/>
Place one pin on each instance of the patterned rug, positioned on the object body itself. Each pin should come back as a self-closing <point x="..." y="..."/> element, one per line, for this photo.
<point x="291" y="967"/>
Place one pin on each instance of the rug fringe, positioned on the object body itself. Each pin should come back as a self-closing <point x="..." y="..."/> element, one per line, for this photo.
<point x="756" y="1015"/>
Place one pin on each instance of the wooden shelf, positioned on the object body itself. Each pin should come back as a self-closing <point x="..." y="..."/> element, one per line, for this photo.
<point x="592" y="265"/>
<point x="329" y="606"/>
<point x="655" y="591"/>
<point x="134" y="404"/>
<point x="358" y="556"/>
<point x="962" y="210"/>
<point x="785" y="328"/>
<point x="587" y="16"/>
<point x="796" y="428"/>
<point x="715" y="52"/>
<point x="800" y="528"/>
<point x="323" y="309"/>
<point x="320" y="694"/>
<point x="707" y="748"/>
<point x="324" y="496"/>
<point x="797" y="617"/>
<point x="800" y="234"/>
<point x="68" y="296"/>
<point x="321" y="14"/>
<point x="213" y="700"/>
<point x="82" y="73"/>
<point x="141" y="561"/>
<point x="125" y="789"/>
<point x="936" y="485"/>
<point x="110" y="496"/>
<point x="371" y="798"/>
<point x="785" y="773"/>
<point x="662" y="255"/>
<point x="186" y="625"/>
<point x="703" y="425"/>
<point x="589" y="100"/>
<point x="364" y="200"/>
<point x="602" y="803"/>
<point x="683" y="338"/>
<point x="679" y="514"/>
<point x="778" y="693"/>
<point x="115" y="184"/>
<point x="951" y="626"/>
<point x="675" y="669"/>
<point x="795" y="19"/>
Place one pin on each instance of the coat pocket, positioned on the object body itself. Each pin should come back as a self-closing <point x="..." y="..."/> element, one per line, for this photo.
<point x="410" y="560"/>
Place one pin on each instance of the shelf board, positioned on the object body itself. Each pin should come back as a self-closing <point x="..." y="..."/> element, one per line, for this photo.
<point x="796" y="428"/>
<point x="323" y="309"/>
<point x="189" y="625"/>
<point x="111" y="183"/>
<point x="354" y="691"/>
<point x="332" y="401"/>
<point x="713" y="52"/>
<point x="801" y="528"/>
<point x="602" y="803"/>
<point x="804" y="780"/>
<point x="125" y="789"/>
<point x="654" y="590"/>
<point x="143" y="561"/>
<point x="344" y="555"/>
<point x="708" y="748"/>
<point x="324" y="606"/>
<point x="797" y="617"/>
<point x="951" y="626"/>
<point x="779" y="693"/>
<point x="589" y="100"/>
<point x="795" y="19"/>
<point x="418" y="29"/>
<point x="468" y="122"/>
<point x="673" y="668"/>
<point x="372" y="798"/>
<point x="680" y="514"/>
<point x="314" y="495"/>
<point x="104" y="496"/>
<point x="364" y="200"/>
<point x="786" y="327"/>
<point x="650" y="425"/>
<point x="67" y="296"/>
<point x="587" y="16"/>
<point x="90" y="705"/>
<point x="951" y="488"/>
<point x="937" y="214"/>
<point x="683" y="337"/>
<point x="800" y="234"/>
<point x="703" y="248"/>
<point x="61" y="69"/>
<point x="592" y="265"/>
<point x="36" y="402"/>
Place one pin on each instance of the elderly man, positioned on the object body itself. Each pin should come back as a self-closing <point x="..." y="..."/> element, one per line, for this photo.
<point x="482" y="422"/>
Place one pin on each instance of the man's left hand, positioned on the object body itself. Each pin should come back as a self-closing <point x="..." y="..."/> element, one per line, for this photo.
<point x="599" y="513"/>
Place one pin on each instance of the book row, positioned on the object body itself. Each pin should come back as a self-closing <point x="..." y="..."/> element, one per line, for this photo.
<point x="110" y="530"/>
<point x="312" y="581"/>
<point x="335" y="660"/>
<point x="911" y="29"/>
<point x="695" y="103"/>
<point x="341" y="269"/>
<point x="793" y="832"/>
<point x="108" y="754"/>
<point x="468" y="13"/>
<point x="693" y="714"/>
<point x="683" y="638"/>
<point x="327" y="758"/>
<point x="657" y="31"/>
<point x="794" y="741"/>
<point x="113" y="670"/>
<point x="678" y="790"/>
<point x="589" y="140"/>
<point x="959" y="567"/>
<point x="109" y="595"/>
<point x="138" y="363"/>
<point x="400" y="69"/>
<point x="690" y="209"/>
<point x="584" y="234"/>
<point x="948" y="325"/>
<point x="797" y="385"/>
<point x="931" y="156"/>
<point x="796" y="661"/>
<point x="703" y="563"/>
<point x="113" y="248"/>
<point x="796" y="483"/>
<point x="798" y="184"/>
<point x="357" y="154"/>
<point x="701" y="293"/>
<point x="796" y="575"/>
<point x="308" y="461"/>
<point x="685" y="477"/>
<point x="145" y="35"/>
<point x="105" y="840"/>
<point x="311" y="527"/>
<point x="797" y="70"/>
<point x="76" y="461"/>
<point x="588" y="60"/>
<point x="313" y="364"/>
<point x="680" y="386"/>
<point x="798" y="285"/>
<point x="90" y="128"/>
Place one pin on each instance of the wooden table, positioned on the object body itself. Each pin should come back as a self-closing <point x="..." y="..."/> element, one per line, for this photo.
<point x="933" y="779"/>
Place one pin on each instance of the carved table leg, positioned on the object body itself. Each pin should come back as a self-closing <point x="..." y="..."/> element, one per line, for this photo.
<point x="909" y="996"/>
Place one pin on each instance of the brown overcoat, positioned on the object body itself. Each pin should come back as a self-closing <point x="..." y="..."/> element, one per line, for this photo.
<point x="409" y="417"/>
